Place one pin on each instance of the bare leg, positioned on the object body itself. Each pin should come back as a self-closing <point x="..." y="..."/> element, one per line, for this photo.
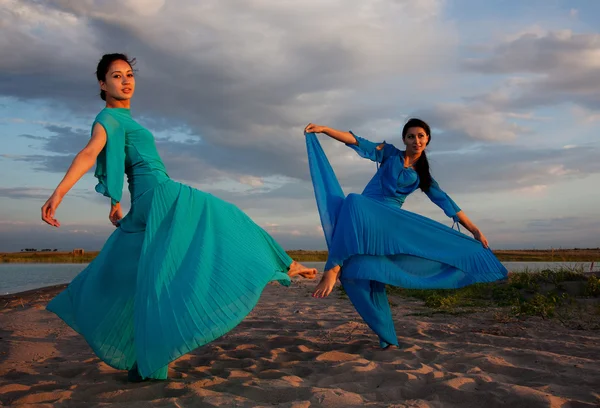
<point x="327" y="283"/>
<point x="296" y="268"/>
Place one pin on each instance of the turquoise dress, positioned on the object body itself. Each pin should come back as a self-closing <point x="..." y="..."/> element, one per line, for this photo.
<point x="376" y="242"/>
<point x="182" y="268"/>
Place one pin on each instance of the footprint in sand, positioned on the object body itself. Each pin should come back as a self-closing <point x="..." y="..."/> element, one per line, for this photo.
<point x="271" y="374"/>
<point x="43" y="397"/>
<point x="240" y="354"/>
<point x="301" y="371"/>
<point x="70" y="372"/>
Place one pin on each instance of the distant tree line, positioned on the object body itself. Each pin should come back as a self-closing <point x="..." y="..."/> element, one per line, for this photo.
<point x="36" y="250"/>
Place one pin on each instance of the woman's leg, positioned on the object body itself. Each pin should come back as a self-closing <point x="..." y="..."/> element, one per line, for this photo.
<point x="371" y="302"/>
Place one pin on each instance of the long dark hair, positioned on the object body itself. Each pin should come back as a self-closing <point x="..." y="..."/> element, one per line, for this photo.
<point x="422" y="164"/>
<point x="104" y="64"/>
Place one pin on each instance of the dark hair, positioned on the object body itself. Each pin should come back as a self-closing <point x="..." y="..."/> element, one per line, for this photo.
<point x="104" y="64"/>
<point x="422" y="164"/>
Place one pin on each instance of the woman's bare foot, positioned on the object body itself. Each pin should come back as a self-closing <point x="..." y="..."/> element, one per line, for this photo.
<point x="327" y="283"/>
<point x="296" y="268"/>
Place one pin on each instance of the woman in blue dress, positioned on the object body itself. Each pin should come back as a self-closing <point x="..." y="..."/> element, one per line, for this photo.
<point x="182" y="267"/>
<point x="373" y="242"/>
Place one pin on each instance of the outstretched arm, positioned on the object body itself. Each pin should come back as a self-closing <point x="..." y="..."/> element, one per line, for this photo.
<point x="469" y="225"/>
<point x="452" y="210"/>
<point x="344" y="137"/>
<point x="377" y="152"/>
<point x="81" y="164"/>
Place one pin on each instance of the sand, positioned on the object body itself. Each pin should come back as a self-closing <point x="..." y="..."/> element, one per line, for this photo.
<point x="296" y="351"/>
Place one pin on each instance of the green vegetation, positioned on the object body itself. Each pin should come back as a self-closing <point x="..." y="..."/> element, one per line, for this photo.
<point x="522" y="255"/>
<point x="567" y="295"/>
<point x="301" y="255"/>
<point x="549" y="255"/>
<point x="46" y="257"/>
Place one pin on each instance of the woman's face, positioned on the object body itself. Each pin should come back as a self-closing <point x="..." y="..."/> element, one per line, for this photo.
<point x="415" y="140"/>
<point x="120" y="82"/>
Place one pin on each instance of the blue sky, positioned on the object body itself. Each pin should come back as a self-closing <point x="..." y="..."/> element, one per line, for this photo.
<point x="511" y="89"/>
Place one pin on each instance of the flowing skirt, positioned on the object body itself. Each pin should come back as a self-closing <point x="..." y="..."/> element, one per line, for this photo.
<point x="182" y="269"/>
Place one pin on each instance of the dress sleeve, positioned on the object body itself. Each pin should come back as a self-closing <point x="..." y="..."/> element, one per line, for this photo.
<point x="110" y="165"/>
<point x="442" y="200"/>
<point x="368" y="149"/>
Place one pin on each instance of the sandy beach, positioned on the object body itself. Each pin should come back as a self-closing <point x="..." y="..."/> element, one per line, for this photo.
<point x="296" y="351"/>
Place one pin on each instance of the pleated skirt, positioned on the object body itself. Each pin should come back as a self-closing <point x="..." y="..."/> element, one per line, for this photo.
<point x="182" y="269"/>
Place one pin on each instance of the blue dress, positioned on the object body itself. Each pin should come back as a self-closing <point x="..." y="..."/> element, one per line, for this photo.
<point x="378" y="243"/>
<point x="182" y="268"/>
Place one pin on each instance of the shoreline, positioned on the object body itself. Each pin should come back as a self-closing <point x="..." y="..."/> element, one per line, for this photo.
<point x="53" y="290"/>
<point x="38" y="292"/>
<point x="520" y="255"/>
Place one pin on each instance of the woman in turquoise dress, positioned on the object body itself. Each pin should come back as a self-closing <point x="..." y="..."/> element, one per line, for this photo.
<point x="373" y="242"/>
<point x="182" y="267"/>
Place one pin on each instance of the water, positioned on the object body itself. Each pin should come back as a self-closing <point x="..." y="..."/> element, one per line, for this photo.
<point x="16" y="277"/>
<point x="20" y="277"/>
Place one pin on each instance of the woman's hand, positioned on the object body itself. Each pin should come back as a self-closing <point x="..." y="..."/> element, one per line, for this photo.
<point x="478" y="235"/>
<point x="311" y="128"/>
<point x="49" y="209"/>
<point x="116" y="214"/>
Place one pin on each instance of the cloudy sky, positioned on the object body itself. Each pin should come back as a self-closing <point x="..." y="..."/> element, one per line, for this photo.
<point x="511" y="89"/>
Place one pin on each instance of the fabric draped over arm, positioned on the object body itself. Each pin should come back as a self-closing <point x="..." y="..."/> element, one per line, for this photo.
<point x="110" y="165"/>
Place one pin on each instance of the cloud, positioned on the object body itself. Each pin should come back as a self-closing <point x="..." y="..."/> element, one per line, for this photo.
<point x="244" y="78"/>
<point x="562" y="224"/>
<point x="25" y="193"/>
<point x="32" y="137"/>
<point x="45" y="163"/>
<point x="536" y="189"/>
<point x="528" y="70"/>
<point x="514" y="168"/>
<point x="481" y="122"/>
<point x="251" y="181"/>
<point x="14" y="237"/>
<point x="585" y="115"/>
<point x="38" y="193"/>
<point x="62" y="143"/>
<point x="554" y="67"/>
<point x="551" y="52"/>
<point x="229" y="88"/>
<point x="62" y="139"/>
<point x="551" y="232"/>
<point x="482" y="167"/>
<point x="574" y="13"/>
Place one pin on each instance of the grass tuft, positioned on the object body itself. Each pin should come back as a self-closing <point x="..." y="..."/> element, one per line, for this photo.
<point x="565" y="294"/>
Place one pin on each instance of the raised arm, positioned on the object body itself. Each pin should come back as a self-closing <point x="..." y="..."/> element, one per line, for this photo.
<point x="344" y="137"/>
<point x="452" y="210"/>
<point x="81" y="164"/>
<point x="377" y="152"/>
